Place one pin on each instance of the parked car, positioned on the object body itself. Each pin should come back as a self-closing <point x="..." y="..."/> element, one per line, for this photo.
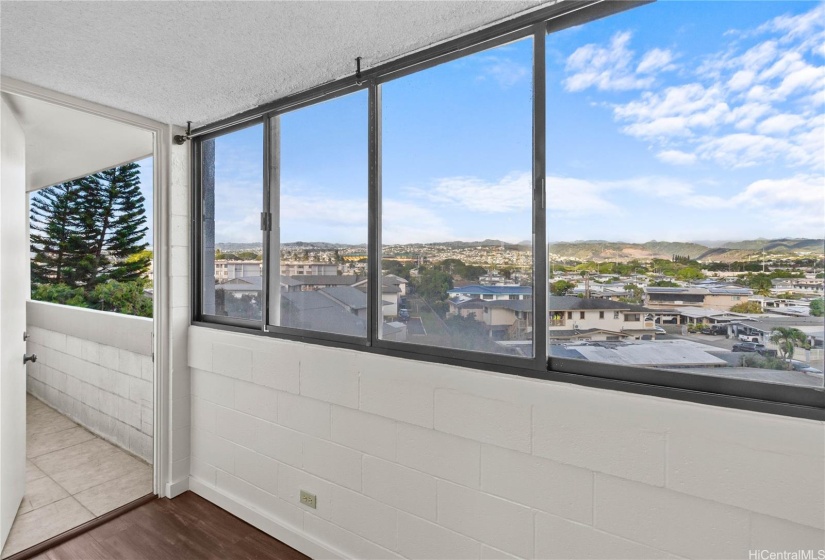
<point x="802" y="366"/>
<point x="404" y="315"/>
<point x="749" y="347"/>
<point x="660" y="330"/>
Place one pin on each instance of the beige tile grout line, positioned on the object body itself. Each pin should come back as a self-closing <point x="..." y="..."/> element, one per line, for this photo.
<point x="70" y="495"/>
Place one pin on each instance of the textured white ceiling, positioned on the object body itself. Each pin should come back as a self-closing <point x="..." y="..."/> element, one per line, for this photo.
<point x="201" y="61"/>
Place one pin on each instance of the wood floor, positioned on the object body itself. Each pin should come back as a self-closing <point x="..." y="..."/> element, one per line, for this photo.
<point x="185" y="528"/>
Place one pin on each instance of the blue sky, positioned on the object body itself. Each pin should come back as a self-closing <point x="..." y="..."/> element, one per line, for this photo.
<point x="674" y="121"/>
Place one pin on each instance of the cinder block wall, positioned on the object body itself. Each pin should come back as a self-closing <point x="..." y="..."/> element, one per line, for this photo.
<point x="420" y="460"/>
<point x="96" y="368"/>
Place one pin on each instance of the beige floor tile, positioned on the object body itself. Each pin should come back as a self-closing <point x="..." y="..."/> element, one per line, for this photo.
<point x="47" y="421"/>
<point x="72" y="457"/>
<point x="41" y="492"/>
<point x="44" y="523"/>
<point x="96" y="470"/>
<point x="110" y="495"/>
<point x="46" y="442"/>
<point x="32" y="472"/>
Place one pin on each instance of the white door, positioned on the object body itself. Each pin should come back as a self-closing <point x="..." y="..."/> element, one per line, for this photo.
<point x="13" y="294"/>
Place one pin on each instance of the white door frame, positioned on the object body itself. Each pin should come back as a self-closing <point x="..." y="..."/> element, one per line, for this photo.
<point x="162" y="138"/>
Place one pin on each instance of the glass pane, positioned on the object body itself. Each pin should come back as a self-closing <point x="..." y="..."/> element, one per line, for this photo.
<point x="685" y="173"/>
<point x="322" y="253"/>
<point x="232" y="180"/>
<point x="457" y="216"/>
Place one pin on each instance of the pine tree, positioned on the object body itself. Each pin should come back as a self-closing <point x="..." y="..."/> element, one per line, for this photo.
<point x="89" y="231"/>
<point x="114" y="218"/>
<point x="57" y="241"/>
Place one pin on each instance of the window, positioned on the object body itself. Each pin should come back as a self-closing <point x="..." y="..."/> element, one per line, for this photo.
<point x="457" y="196"/>
<point x="320" y="190"/>
<point x="405" y="215"/>
<point x="232" y="186"/>
<point x="657" y="112"/>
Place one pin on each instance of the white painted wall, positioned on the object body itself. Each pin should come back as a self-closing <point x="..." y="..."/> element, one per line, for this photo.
<point x="178" y="200"/>
<point x="96" y="368"/>
<point x="420" y="460"/>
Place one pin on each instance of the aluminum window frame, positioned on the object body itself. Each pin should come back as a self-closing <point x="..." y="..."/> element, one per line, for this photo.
<point x="802" y="402"/>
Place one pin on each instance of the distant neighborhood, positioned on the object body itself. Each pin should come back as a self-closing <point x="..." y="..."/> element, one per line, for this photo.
<point x="760" y="318"/>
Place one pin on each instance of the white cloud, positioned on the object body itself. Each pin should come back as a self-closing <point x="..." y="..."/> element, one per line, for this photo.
<point x="675" y="112"/>
<point x="676" y="157"/>
<point x="513" y="193"/>
<point x="405" y="222"/>
<point x="741" y="80"/>
<point x="740" y="107"/>
<point x="504" y="71"/>
<point x="656" y="60"/>
<point x="780" y="124"/>
<point x="570" y="197"/>
<point x="747" y="150"/>
<point x="605" y="68"/>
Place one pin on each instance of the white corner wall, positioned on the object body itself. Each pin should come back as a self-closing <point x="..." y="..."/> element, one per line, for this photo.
<point x="420" y="460"/>
<point x="96" y="368"/>
<point x="178" y="200"/>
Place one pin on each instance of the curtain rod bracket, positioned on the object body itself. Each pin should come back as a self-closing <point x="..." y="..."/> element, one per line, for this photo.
<point x="181" y="139"/>
<point x="358" y="80"/>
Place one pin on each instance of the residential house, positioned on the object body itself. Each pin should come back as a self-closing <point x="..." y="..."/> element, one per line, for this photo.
<point x="575" y="318"/>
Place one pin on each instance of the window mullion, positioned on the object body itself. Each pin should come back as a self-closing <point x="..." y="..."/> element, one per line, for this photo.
<point x="374" y="308"/>
<point x="539" y="200"/>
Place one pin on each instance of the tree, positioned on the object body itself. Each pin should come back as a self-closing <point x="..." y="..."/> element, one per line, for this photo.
<point x="88" y="233"/>
<point x="59" y="293"/>
<point x="122" y="297"/>
<point x="817" y="307"/>
<point x="747" y="307"/>
<point x="636" y="294"/>
<point x="114" y="217"/>
<point x="787" y="339"/>
<point x="57" y="242"/>
<point x="689" y="273"/>
<point x="759" y="283"/>
<point x="561" y="287"/>
<point x="468" y="333"/>
<point x="432" y="284"/>
<point x="664" y="284"/>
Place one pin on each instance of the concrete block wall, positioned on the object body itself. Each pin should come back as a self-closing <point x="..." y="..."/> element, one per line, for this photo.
<point x="179" y="315"/>
<point x="420" y="460"/>
<point x="96" y="368"/>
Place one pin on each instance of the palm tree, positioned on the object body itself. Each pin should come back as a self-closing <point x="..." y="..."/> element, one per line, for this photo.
<point x="787" y="339"/>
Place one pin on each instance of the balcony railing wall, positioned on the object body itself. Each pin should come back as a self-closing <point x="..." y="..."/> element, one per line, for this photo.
<point x="96" y="368"/>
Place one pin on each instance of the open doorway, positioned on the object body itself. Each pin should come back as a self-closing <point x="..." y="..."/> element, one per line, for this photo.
<point x="89" y="402"/>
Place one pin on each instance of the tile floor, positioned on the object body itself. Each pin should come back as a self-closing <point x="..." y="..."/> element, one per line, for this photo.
<point x="72" y="476"/>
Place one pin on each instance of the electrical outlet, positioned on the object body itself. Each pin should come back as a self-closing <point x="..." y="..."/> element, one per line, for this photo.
<point x="308" y="499"/>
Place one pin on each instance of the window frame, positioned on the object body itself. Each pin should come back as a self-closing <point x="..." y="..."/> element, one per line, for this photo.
<point x="795" y="401"/>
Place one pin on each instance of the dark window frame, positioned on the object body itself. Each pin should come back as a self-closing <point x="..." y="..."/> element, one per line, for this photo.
<point x="785" y="400"/>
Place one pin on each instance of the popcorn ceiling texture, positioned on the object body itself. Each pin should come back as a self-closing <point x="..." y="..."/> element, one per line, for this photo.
<point x="202" y="61"/>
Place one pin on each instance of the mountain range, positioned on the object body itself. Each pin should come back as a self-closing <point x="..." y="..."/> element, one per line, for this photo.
<point x="720" y="251"/>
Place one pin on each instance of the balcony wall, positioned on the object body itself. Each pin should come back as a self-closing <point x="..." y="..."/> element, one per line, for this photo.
<point x="96" y="368"/>
<point x="423" y="460"/>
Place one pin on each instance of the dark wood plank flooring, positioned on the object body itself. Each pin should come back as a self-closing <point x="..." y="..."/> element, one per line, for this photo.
<point x="185" y="528"/>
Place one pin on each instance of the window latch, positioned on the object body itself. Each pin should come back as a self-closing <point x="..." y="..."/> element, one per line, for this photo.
<point x="266" y="221"/>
